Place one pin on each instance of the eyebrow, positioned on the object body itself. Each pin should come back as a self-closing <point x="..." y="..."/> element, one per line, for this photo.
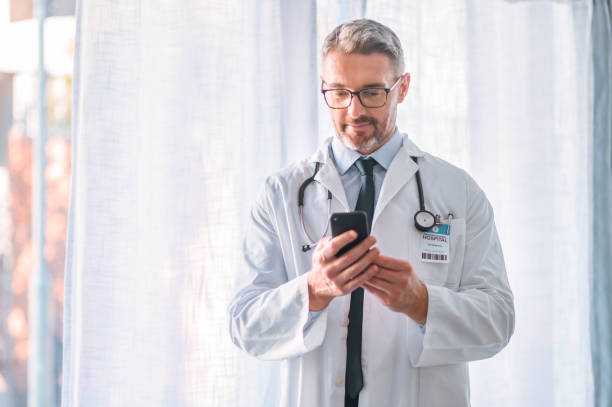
<point x="369" y="85"/>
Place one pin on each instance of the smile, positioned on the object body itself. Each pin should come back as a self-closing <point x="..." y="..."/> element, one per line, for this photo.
<point x="359" y="125"/>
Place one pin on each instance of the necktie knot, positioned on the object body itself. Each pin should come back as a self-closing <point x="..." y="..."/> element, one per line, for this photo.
<point x="365" y="166"/>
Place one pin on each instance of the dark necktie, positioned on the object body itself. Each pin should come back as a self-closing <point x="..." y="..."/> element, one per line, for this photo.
<point x="354" y="375"/>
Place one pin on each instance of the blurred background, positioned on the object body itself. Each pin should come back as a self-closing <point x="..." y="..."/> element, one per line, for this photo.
<point x="182" y="109"/>
<point x="25" y="120"/>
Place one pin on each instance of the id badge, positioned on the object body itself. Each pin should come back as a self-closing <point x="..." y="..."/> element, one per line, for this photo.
<point x="435" y="244"/>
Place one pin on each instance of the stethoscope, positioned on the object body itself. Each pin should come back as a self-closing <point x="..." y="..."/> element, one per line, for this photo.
<point x="423" y="219"/>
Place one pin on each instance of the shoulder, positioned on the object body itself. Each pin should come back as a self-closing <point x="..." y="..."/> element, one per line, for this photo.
<point x="297" y="172"/>
<point x="454" y="185"/>
<point x="433" y="166"/>
<point x="445" y="172"/>
<point x="280" y="188"/>
<point x="285" y="178"/>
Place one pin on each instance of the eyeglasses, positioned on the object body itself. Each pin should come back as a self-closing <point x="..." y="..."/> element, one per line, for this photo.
<point x="369" y="97"/>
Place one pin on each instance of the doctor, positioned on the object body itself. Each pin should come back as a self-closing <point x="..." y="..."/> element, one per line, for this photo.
<point x="394" y="321"/>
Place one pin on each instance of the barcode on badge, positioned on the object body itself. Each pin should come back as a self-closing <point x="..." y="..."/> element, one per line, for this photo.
<point x="434" y="256"/>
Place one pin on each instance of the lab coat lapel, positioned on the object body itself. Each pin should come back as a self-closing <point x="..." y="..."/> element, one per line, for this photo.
<point x="401" y="170"/>
<point x="328" y="174"/>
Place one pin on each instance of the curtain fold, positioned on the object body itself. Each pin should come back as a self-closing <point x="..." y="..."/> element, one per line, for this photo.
<point x="502" y="90"/>
<point x="602" y="202"/>
<point x="178" y="112"/>
<point x="182" y="109"/>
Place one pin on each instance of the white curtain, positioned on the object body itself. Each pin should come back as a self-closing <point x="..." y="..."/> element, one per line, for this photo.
<point x="502" y="90"/>
<point x="182" y="108"/>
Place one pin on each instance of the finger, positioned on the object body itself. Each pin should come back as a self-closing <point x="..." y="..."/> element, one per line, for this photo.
<point x="320" y="256"/>
<point x="393" y="263"/>
<point x="392" y="276"/>
<point x="319" y="252"/>
<point x="383" y="296"/>
<point x="381" y="284"/>
<point x="338" y="242"/>
<point x="359" y="266"/>
<point x="354" y="254"/>
<point x="361" y="279"/>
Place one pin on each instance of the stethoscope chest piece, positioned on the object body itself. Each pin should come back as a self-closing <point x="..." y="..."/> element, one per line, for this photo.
<point x="424" y="220"/>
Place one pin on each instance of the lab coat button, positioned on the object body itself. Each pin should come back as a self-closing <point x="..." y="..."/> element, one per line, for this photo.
<point x="340" y="381"/>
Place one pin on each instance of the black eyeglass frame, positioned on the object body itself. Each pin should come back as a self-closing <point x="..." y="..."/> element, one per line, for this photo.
<point x="358" y="93"/>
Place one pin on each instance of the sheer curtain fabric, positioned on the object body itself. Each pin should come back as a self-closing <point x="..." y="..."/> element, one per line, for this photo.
<point x="182" y="109"/>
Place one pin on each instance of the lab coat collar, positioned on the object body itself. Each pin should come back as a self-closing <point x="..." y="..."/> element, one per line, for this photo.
<point x="322" y="153"/>
<point x="328" y="173"/>
<point x="412" y="149"/>
<point x="402" y="168"/>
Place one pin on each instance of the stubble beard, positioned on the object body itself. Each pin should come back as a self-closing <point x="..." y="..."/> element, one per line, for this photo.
<point x="371" y="143"/>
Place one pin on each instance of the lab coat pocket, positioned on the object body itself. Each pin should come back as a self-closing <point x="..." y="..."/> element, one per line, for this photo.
<point x="443" y="274"/>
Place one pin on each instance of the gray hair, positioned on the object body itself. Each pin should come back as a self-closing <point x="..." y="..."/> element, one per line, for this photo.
<point x="365" y="37"/>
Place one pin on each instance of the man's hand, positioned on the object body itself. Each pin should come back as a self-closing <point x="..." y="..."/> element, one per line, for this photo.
<point x="399" y="288"/>
<point x="332" y="276"/>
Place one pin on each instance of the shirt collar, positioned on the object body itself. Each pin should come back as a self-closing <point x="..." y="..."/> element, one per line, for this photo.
<point x="345" y="157"/>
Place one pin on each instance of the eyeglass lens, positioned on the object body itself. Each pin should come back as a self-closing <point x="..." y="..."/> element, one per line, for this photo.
<point x="341" y="98"/>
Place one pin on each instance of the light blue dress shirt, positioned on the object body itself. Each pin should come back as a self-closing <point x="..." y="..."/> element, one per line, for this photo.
<point x="344" y="159"/>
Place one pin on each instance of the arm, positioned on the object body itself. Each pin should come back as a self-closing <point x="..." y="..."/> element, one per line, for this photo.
<point x="269" y="315"/>
<point x="476" y="321"/>
<point x="472" y="323"/>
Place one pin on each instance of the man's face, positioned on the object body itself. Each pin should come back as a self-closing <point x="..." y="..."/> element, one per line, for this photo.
<point x="362" y="128"/>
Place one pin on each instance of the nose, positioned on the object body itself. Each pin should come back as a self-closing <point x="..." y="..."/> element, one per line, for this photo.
<point x="356" y="109"/>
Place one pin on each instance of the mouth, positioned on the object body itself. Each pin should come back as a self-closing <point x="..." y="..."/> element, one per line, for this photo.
<point x="359" y="126"/>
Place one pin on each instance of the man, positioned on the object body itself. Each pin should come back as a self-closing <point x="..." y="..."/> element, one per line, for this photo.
<point x="394" y="321"/>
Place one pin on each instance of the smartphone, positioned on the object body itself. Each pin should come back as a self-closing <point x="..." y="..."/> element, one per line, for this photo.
<point x="344" y="221"/>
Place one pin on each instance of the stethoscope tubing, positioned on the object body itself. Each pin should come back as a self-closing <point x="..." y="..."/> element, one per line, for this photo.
<point x="422" y="211"/>
<point x="312" y="243"/>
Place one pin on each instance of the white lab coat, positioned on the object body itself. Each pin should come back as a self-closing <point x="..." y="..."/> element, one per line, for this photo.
<point x="471" y="311"/>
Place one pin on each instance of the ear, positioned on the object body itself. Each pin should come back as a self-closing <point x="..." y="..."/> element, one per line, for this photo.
<point x="404" y="85"/>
